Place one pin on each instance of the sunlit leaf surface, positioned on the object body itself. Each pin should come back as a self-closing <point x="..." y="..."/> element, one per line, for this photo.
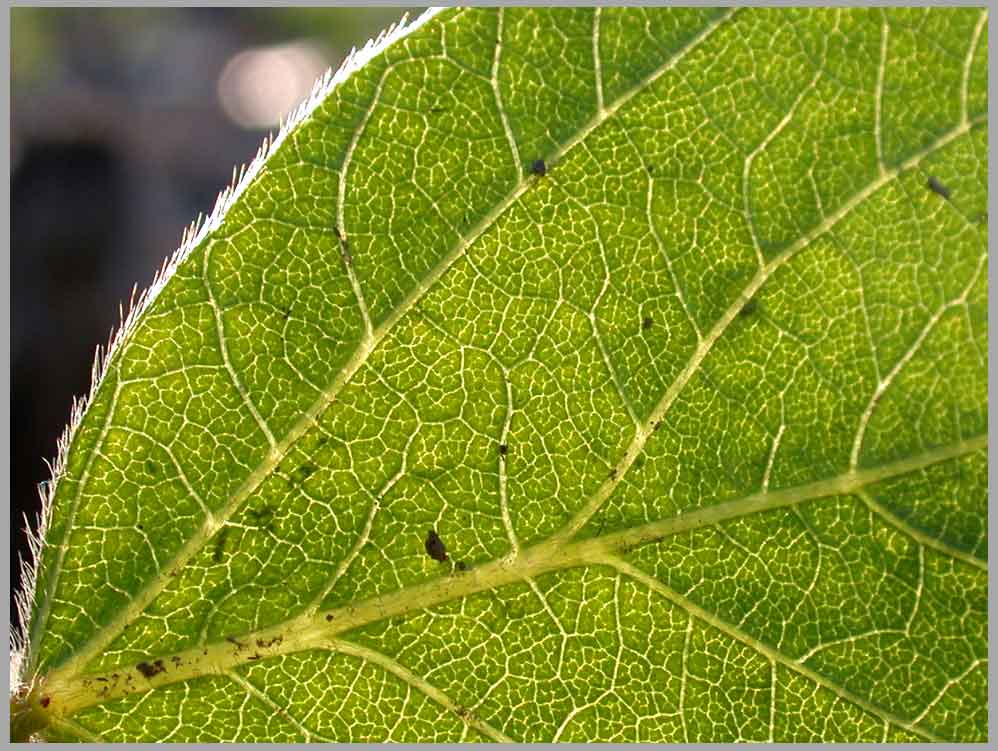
<point x="698" y="415"/>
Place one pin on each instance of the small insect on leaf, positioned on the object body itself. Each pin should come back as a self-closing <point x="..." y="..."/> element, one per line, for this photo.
<point x="646" y="323"/>
<point x="938" y="188"/>
<point x="220" y="545"/>
<point x="503" y="449"/>
<point x="435" y="547"/>
<point x="538" y="167"/>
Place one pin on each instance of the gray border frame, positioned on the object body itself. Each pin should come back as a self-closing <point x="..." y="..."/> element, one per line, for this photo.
<point x="992" y="313"/>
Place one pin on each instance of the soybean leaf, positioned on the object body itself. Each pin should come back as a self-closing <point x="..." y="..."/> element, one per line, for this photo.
<point x="670" y="325"/>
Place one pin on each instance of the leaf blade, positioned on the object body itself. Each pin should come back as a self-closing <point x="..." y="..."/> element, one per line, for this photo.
<point x="310" y="501"/>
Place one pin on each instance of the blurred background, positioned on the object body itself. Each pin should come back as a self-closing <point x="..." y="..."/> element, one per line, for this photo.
<point x="125" y="124"/>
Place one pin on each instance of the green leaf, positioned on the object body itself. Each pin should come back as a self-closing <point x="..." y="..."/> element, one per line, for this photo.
<point x="699" y="415"/>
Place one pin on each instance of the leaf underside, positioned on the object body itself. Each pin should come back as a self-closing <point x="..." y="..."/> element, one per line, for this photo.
<point x="699" y="415"/>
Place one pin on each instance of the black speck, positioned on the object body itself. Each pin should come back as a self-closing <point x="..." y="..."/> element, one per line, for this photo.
<point x="149" y="670"/>
<point x="253" y="657"/>
<point x="462" y="566"/>
<point x="538" y="167"/>
<point x="152" y="467"/>
<point x="329" y="618"/>
<point x="233" y="640"/>
<point x="613" y="473"/>
<point x="657" y="425"/>
<point x="651" y="170"/>
<point x="748" y="308"/>
<point x="503" y="449"/>
<point x="646" y="323"/>
<point x="437" y="110"/>
<point x="261" y="516"/>
<point x="938" y="188"/>
<point x="435" y="546"/>
<point x="336" y="231"/>
<point x="44" y="701"/>
<point x="220" y="545"/>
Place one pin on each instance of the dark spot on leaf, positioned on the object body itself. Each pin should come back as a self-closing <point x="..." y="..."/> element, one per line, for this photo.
<point x="657" y="424"/>
<point x="45" y="701"/>
<point x="253" y="657"/>
<point x="435" y="546"/>
<point x="748" y="308"/>
<point x="639" y="462"/>
<point x="462" y="566"/>
<point x="329" y="618"/>
<point x="140" y="526"/>
<point x="151" y="467"/>
<point x="175" y="660"/>
<point x="261" y="517"/>
<point x="538" y="167"/>
<point x="220" y="545"/>
<point x="101" y="679"/>
<point x="336" y="231"/>
<point x="646" y="323"/>
<point x="149" y="670"/>
<point x="938" y="188"/>
<point x="651" y="169"/>
<point x="503" y="449"/>
<point x="233" y="640"/>
<point x="613" y="473"/>
<point x="437" y="110"/>
<point x="304" y="472"/>
<point x="264" y="643"/>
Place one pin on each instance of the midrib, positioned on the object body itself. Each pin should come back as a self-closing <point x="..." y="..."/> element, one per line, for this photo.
<point x="68" y="694"/>
<point x="106" y="634"/>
